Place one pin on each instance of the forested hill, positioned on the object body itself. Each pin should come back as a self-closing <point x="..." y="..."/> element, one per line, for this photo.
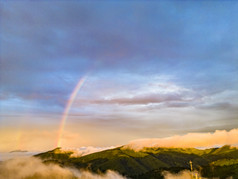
<point x="150" y="162"/>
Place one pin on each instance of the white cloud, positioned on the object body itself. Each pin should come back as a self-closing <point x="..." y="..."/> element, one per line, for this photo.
<point x="33" y="167"/>
<point x="218" y="138"/>
<point x="185" y="174"/>
<point x="77" y="152"/>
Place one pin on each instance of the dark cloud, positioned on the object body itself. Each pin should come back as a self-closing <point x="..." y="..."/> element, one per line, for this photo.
<point x="142" y="99"/>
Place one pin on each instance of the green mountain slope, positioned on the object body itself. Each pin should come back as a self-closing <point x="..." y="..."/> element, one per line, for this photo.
<point x="149" y="162"/>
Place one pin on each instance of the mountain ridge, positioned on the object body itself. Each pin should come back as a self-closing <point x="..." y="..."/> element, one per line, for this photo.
<point x="143" y="163"/>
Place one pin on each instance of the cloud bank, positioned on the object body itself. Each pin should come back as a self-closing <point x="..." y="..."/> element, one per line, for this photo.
<point x="77" y="152"/>
<point x="218" y="138"/>
<point x="34" y="168"/>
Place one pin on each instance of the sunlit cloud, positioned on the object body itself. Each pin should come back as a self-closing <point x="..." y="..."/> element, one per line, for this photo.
<point x="218" y="138"/>
<point x="181" y="175"/>
<point x="78" y="152"/>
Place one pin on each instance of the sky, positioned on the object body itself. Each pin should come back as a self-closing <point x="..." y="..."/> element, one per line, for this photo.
<point x="152" y="70"/>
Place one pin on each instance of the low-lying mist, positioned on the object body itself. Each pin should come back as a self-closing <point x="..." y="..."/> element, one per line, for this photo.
<point x="31" y="167"/>
<point x="185" y="174"/>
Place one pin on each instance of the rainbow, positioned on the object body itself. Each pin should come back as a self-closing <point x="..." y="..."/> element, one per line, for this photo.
<point x="67" y="109"/>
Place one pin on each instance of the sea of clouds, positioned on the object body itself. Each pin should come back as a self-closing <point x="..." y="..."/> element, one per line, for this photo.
<point x="31" y="167"/>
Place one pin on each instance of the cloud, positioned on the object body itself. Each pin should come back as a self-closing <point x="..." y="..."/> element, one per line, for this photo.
<point x="34" y="168"/>
<point x="185" y="174"/>
<point x="145" y="99"/>
<point x="77" y="152"/>
<point x="143" y="91"/>
<point x="49" y="46"/>
<point x="218" y="138"/>
<point x="50" y="43"/>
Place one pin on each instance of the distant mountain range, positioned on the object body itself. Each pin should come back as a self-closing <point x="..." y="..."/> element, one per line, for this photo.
<point x="18" y="151"/>
<point x="150" y="162"/>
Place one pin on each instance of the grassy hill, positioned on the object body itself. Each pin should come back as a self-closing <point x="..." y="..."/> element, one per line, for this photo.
<point x="149" y="162"/>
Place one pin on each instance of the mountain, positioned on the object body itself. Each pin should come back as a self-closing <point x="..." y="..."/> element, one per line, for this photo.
<point x="150" y="162"/>
<point x="18" y="151"/>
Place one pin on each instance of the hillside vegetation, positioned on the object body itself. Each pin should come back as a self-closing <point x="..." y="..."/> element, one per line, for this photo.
<point x="150" y="162"/>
